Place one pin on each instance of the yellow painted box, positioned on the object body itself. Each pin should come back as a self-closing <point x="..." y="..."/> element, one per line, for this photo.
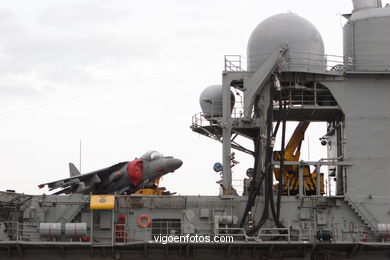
<point x="102" y="202"/>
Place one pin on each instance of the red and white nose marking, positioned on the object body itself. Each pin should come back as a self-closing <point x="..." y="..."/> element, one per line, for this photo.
<point x="134" y="171"/>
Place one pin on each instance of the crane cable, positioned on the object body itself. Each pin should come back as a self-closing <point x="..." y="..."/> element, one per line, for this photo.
<point x="282" y="110"/>
<point x="270" y="166"/>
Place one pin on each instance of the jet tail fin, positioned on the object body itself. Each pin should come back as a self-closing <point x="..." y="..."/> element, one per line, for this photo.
<point x="73" y="170"/>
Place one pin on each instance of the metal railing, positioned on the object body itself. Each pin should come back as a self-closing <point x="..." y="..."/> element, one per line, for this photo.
<point x="233" y="63"/>
<point x="286" y="233"/>
<point x="320" y="181"/>
<point x="17" y="231"/>
<point x="299" y="98"/>
<point x="313" y="61"/>
<point x="237" y="233"/>
<point x="127" y="233"/>
<point x="215" y="115"/>
<point x="302" y="60"/>
<point x="367" y="62"/>
<point x="132" y="233"/>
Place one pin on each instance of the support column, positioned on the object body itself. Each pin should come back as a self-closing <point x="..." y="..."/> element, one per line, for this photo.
<point x="226" y="135"/>
<point x="300" y="177"/>
<point x="318" y="179"/>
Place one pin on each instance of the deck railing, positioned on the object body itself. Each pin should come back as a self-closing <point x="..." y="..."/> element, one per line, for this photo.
<point x="372" y="62"/>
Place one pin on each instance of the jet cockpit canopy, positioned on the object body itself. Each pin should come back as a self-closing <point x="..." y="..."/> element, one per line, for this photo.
<point x="152" y="155"/>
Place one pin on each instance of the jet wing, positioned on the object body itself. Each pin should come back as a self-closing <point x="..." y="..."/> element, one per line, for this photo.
<point x="88" y="178"/>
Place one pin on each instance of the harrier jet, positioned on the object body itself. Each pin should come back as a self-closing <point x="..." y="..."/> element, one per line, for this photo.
<point x="124" y="177"/>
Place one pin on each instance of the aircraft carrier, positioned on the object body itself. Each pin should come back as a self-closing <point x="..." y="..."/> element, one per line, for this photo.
<point x="335" y="208"/>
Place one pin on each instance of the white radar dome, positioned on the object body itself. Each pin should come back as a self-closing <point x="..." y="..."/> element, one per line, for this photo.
<point x="211" y="101"/>
<point x="303" y="39"/>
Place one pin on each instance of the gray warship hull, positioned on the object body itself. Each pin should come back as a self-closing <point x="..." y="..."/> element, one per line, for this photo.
<point x="22" y="236"/>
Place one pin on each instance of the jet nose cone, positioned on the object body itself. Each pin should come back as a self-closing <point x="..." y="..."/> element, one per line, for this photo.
<point x="174" y="164"/>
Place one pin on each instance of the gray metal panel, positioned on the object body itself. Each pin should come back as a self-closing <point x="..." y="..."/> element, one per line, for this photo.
<point x="172" y="202"/>
<point x="168" y="202"/>
<point x="367" y="40"/>
<point x="365" y="4"/>
<point x="204" y="213"/>
<point x="365" y="103"/>
<point x="105" y="219"/>
<point x="369" y="13"/>
<point x="130" y="201"/>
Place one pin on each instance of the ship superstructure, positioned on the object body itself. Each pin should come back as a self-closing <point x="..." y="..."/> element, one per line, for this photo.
<point x="334" y="208"/>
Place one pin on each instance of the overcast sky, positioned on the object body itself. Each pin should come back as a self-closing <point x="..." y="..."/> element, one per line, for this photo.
<point x="124" y="77"/>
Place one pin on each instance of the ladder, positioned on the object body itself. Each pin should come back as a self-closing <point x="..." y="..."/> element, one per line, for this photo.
<point x="365" y="215"/>
<point x="72" y="211"/>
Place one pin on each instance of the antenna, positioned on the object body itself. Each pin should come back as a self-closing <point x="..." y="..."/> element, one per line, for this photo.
<point x="80" y="157"/>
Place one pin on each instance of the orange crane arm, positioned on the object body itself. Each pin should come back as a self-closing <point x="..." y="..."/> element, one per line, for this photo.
<point x="295" y="141"/>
